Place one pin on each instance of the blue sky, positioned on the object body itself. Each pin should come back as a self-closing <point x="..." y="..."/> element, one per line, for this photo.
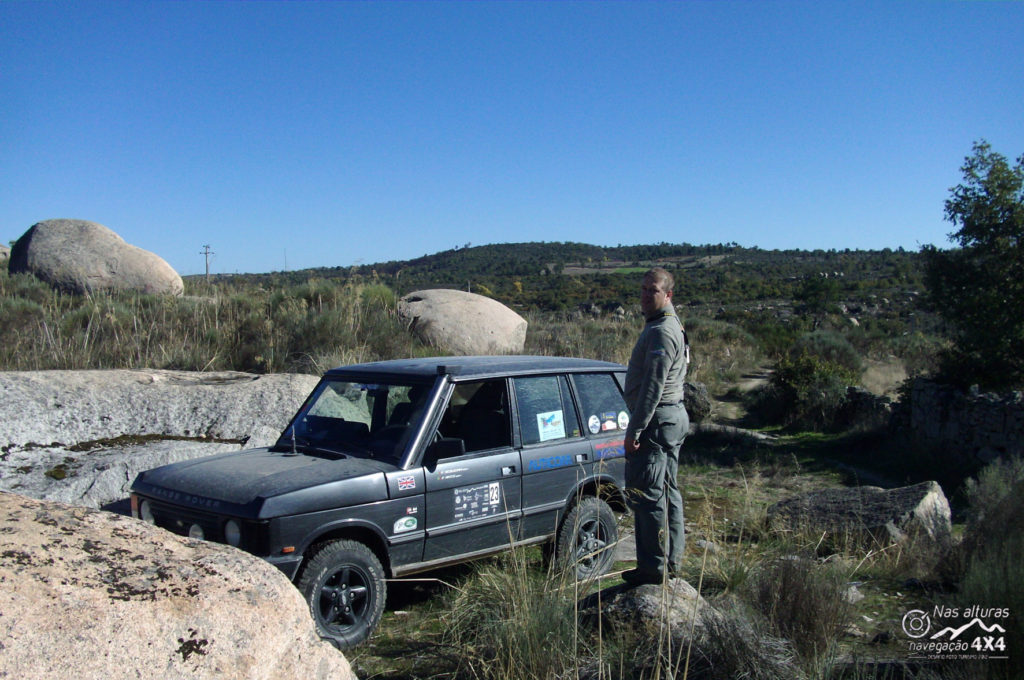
<point x="326" y="134"/>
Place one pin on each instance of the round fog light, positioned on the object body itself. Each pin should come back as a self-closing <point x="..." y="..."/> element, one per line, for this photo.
<point x="196" y="531"/>
<point x="232" y="533"/>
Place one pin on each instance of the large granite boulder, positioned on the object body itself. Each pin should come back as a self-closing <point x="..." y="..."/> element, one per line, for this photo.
<point x="82" y="436"/>
<point x="463" y="323"/>
<point x="80" y="257"/>
<point x="883" y="516"/>
<point x="89" y="594"/>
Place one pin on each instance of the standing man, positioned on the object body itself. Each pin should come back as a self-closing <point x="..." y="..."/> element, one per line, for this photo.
<point x="657" y="426"/>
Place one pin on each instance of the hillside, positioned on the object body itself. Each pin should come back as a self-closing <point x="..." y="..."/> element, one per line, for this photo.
<point x="559" y="276"/>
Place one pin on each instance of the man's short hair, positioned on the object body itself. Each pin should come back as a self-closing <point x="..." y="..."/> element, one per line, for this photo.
<point x="662" y="276"/>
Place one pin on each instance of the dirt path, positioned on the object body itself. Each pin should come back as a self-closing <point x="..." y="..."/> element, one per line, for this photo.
<point x="727" y="408"/>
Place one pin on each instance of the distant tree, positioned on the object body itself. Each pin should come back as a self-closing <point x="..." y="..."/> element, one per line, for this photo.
<point x="978" y="288"/>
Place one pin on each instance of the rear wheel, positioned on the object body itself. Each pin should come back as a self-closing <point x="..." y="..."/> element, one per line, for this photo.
<point x="343" y="584"/>
<point x="586" y="540"/>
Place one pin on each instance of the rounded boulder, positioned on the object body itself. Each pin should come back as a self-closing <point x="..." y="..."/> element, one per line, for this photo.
<point x="82" y="257"/>
<point x="463" y="323"/>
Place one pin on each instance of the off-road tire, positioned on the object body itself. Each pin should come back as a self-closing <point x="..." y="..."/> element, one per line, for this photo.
<point x="343" y="583"/>
<point x="586" y="540"/>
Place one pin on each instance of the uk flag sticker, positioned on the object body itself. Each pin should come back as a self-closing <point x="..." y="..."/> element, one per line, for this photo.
<point x="406" y="483"/>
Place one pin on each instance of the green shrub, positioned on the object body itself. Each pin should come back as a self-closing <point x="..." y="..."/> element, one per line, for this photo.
<point x="512" y="620"/>
<point x="804" y="392"/>
<point x="830" y="347"/>
<point x="802" y="602"/>
<point x="988" y="562"/>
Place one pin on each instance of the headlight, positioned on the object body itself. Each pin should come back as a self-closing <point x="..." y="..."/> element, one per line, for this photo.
<point x="232" y="533"/>
<point x="196" y="531"/>
<point x="146" y="512"/>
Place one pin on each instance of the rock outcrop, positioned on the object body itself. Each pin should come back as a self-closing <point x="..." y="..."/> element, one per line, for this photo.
<point x="82" y="436"/>
<point x="463" y="323"/>
<point x="89" y="594"/>
<point x="5" y="255"/>
<point x="697" y="401"/>
<point x="81" y="257"/>
<point x="672" y="625"/>
<point x="882" y="515"/>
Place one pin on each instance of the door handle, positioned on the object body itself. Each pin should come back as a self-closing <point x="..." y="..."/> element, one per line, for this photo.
<point x="508" y="470"/>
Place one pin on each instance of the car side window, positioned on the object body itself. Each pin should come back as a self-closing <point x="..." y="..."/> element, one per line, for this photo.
<point x="604" y="409"/>
<point x="545" y="409"/>
<point x="478" y="414"/>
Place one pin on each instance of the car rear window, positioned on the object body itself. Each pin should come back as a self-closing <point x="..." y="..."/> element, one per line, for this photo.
<point x="604" y="409"/>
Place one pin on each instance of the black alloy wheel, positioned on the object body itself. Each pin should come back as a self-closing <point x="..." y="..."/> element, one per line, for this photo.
<point x="586" y="541"/>
<point x="343" y="584"/>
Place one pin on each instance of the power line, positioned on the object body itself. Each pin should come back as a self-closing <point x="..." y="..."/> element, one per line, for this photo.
<point x="207" y="252"/>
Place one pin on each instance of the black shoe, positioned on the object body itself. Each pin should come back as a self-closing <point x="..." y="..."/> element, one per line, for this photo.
<point x="635" y="577"/>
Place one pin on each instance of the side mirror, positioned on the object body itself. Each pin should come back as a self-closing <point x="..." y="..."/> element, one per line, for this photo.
<point x="445" y="447"/>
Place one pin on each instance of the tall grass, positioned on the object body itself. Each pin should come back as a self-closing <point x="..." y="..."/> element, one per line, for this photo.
<point x="989" y="564"/>
<point x="303" y="328"/>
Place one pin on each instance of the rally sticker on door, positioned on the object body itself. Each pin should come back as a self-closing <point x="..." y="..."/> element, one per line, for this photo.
<point x="473" y="502"/>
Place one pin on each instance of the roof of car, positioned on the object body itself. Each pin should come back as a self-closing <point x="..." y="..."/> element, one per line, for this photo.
<point x="476" y="367"/>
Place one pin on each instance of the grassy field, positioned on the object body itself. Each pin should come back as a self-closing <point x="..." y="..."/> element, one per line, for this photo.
<point x="836" y="609"/>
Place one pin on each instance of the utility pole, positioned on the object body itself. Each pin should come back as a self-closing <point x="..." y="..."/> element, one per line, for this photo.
<point x="207" y="252"/>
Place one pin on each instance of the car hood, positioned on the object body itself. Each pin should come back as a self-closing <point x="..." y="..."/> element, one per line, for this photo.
<point x="251" y="478"/>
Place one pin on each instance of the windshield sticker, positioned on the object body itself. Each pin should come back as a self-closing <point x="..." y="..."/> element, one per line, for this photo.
<point x="594" y="424"/>
<point x="404" y="524"/>
<point x="623" y="420"/>
<point x="612" y="449"/>
<point x="406" y="483"/>
<point x="609" y="421"/>
<point x="482" y="500"/>
<point x="550" y="425"/>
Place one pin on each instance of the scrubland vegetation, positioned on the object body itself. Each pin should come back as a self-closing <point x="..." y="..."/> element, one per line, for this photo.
<point x="794" y="604"/>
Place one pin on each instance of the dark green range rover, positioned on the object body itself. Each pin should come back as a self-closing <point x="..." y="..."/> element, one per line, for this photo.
<point x="397" y="467"/>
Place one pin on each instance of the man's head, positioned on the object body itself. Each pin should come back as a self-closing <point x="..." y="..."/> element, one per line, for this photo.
<point x="655" y="291"/>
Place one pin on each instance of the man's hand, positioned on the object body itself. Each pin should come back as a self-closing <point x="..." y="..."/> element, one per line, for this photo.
<point x="632" y="446"/>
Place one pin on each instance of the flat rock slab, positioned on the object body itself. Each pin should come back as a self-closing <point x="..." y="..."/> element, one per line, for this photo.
<point x="68" y="408"/>
<point x="82" y="436"/>
<point x="892" y="514"/>
<point x="89" y="594"/>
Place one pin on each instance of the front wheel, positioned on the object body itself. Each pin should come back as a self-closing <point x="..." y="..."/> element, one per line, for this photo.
<point x="343" y="584"/>
<point x="587" y="538"/>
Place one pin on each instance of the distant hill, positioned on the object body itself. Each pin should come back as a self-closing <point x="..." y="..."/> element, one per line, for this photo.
<point x="554" y="276"/>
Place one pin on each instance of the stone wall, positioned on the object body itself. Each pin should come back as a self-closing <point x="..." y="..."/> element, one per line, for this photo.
<point x="977" y="426"/>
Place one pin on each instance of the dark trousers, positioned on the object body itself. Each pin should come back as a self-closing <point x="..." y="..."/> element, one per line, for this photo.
<point x="652" y="490"/>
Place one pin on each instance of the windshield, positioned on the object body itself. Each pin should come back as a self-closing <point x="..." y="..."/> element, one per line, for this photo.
<point x="373" y="420"/>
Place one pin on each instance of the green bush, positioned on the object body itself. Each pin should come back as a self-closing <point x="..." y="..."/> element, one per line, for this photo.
<point x="802" y="602"/>
<point x="829" y="347"/>
<point x="512" y="620"/>
<point x="988" y="562"/>
<point x="804" y="392"/>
